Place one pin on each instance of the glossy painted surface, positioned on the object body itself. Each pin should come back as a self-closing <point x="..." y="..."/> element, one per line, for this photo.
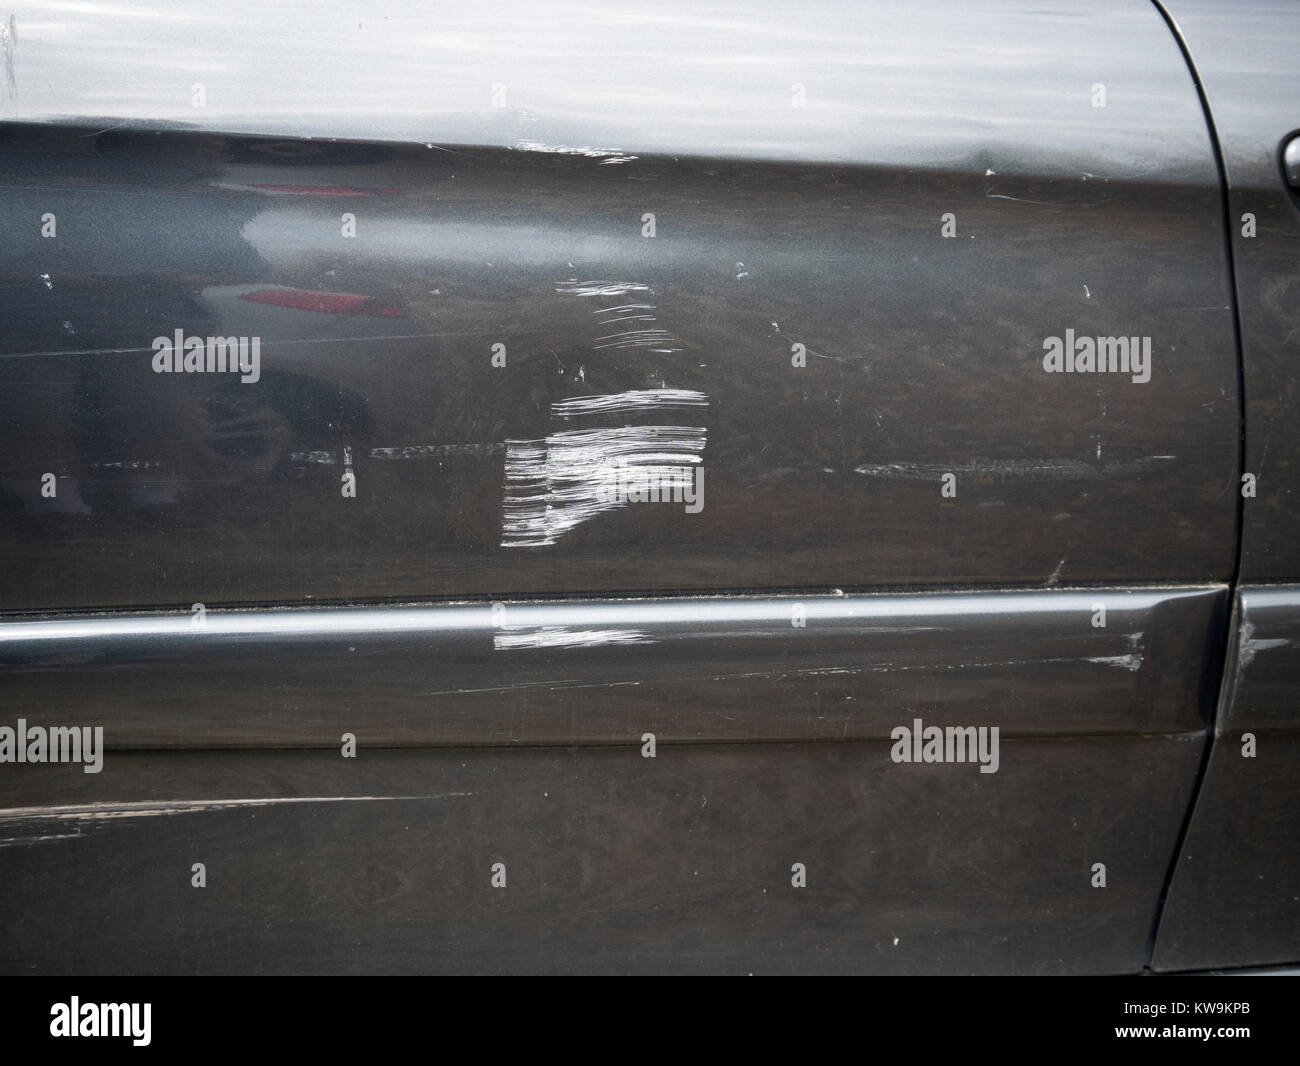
<point x="799" y="167"/>
<point x="1246" y="58"/>
<point x="772" y="668"/>
<point x="1235" y="895"/>
<point x="1006" y="84"/>
<point x="614" y="863"/>
<point x="924" y="358"/>
<point x="1234" y="899"/>
<point x="1265" y="666"/>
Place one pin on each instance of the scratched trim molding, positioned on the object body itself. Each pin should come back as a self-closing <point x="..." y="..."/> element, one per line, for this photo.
<point x="738" y="668"/>
<point x="1263" y="664"/>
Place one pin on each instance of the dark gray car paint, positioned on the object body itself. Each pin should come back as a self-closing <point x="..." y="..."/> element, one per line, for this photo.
<point x="924" y="354"/>
<point x="758" y="668"/>
<point x="777" y="225"/>
<point x="614" y="863"/>
<point x="1235" y="895"/>
<point x="1234" y="898"/>
<point x="1245" y="56"/>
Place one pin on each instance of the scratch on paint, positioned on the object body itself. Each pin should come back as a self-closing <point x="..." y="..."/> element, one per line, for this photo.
<point x="621" y="314"/>
<point x="819" y="355"/>
<point x="1249" y="645"/>
<point x="574" y="287"/>
<point x="431" y="451"/>
<point x="556" y="484"/>
<point x="89" y="815"/>
<point x="1131" y="661"/>
<point x="1018" y="199"/>
<point x="514" y="638"/>
<point x="635" y="400"/>
<point x="638" y="338"/>
<point x="403" y="451"/>
<point x="1124" y="662"/>
<point x="1014" y="469"/>
<point x="607" y="156"/>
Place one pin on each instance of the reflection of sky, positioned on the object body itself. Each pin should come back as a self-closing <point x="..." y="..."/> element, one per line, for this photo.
<point x="283" y="239"/>
<point x="928" y="82"/>
<point x="1246" y="57"/>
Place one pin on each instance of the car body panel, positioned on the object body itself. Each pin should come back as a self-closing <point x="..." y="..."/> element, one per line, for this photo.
<point x="613" y="863"/>
<point x="924" y="354"/>
<point x="485" y="255"/>
<point x="1234" y="899"/>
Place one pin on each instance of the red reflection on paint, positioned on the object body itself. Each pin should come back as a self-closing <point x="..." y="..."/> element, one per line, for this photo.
<point x="347" y="303"/>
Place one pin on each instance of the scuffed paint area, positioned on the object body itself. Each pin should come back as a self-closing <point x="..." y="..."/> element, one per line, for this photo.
<point x="1015" y="469"/>
<point x="522" y="637"/>
<point x="556" y="484"/>
<point x="607" y="156"/>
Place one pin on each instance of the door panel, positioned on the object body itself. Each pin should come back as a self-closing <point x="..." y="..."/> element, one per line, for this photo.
<point x="1235" y="895"/>
<point x="613" y="863"/>
<point x="1234" y="899"/>
<point x="820" y="256"/>
<point x="924" y="353"/>
<point x="1245" y="55"/>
